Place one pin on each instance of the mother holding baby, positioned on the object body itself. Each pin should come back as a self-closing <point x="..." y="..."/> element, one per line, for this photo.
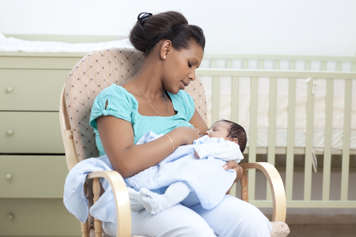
<point x="155" y="100"/>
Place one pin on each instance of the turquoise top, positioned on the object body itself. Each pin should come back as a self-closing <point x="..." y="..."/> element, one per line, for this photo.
<point x="122" y="104"/>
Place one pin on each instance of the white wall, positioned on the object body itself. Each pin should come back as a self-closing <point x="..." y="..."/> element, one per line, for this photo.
<point x="313" y="27"/>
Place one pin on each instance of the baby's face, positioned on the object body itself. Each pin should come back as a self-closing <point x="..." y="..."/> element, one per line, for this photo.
<point x="219" y="129"/>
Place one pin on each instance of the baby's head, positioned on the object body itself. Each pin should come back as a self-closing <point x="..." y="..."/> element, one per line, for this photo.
<point x="229" y="130"/>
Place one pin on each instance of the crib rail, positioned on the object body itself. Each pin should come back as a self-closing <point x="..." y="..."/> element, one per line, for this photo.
<point x="291" y="62"/>
<point x="215" y="77"/>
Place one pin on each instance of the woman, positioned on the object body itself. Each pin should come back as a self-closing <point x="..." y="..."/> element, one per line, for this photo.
<point x="154" y="100"/>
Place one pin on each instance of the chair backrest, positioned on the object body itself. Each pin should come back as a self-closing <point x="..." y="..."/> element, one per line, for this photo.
<point x="89" y="76"/>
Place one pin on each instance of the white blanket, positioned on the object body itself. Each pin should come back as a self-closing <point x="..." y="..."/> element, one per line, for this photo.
<point x="10" y="44"/>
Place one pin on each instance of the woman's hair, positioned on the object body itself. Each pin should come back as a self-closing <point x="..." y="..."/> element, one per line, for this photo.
<point x="237" y="131"/>
<point x="150" y="29"/>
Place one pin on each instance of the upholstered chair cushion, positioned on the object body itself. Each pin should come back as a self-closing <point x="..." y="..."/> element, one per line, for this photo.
<point x="92" y="74"/>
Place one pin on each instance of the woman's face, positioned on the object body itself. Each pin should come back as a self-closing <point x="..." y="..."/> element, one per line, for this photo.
<point x="180" y="65"/>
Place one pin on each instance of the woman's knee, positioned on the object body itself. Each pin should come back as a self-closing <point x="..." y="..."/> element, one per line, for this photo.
<point x="176" y="221"/>
<point x="191" y="225"/>
<point x="194" y="229"/>
<point x="234" y="217"/>
<point x="256" y="225"/>
<point x="253" y="223"/>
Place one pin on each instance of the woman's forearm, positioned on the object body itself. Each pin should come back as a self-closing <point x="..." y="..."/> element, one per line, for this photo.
<point x="136" y="158"/>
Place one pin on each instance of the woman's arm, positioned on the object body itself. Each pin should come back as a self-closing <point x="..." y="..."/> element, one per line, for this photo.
<point x="128" y="158"/>
<point x="198" y="122"/>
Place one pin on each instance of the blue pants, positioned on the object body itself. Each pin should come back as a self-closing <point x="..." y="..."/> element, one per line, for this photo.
<point x="231" y="218"/>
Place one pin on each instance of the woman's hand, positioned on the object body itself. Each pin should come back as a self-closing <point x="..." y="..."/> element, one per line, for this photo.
<point x="186" y="135"/>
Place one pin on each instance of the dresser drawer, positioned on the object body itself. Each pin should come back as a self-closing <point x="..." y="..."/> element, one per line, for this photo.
<point x="32" y="176"/>
<point x="36" y="217"/>
<point x="30" y="132"/>
<point x="26" y="89"/>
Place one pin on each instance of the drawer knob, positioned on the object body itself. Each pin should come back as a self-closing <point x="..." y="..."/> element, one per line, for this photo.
<point x="10" y="132"/>
<point x="8" y="177"/>
<point x="11" y="216"/>
<point x="9" y="90"/>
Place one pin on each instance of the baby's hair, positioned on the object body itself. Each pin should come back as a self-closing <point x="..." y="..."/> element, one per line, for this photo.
<point x="237" y="131"/>
<point x="170" y="25"/>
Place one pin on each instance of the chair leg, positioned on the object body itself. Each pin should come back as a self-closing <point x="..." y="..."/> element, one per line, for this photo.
<point x="244" y="185"/>
<point x="97" y="192"/>
<point x="85" y="229"/>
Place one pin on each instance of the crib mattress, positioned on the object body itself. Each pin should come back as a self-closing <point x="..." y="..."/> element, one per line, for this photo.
<point x="10" y="44"/>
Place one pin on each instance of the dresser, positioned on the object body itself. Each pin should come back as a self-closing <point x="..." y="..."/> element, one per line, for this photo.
<point x="32" y="162"/>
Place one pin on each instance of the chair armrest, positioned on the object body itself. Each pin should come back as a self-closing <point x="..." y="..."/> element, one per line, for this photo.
<point x="122" y="201"/>
<point x="276" y="184"/>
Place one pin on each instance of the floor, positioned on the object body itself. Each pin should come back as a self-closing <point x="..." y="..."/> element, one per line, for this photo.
<point x="322" y="230"/>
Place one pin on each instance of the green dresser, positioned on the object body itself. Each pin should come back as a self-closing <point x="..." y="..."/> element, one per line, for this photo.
<point x="32" y="163"/>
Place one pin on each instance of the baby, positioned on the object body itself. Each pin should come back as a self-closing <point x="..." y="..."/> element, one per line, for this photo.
<point x="179" y="177"/>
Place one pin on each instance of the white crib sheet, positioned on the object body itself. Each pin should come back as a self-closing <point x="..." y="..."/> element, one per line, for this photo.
<point x="10" y="44"/>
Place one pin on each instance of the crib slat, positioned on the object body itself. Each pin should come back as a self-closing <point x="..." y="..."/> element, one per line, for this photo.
<point x="338" y="67"/>
<point x="309" y="142"/>
<point x="215" y="95"/>
<point x="228" y="63"/>
<point x="235" y="99"/>
<point x="234" y="94"/>
<point x="212" y="62"/>
<point x="290" y="137"/>
<point x="346" y="141"/>
<point x="292" y="64"/>
<point x="215" y="103"/>
<point x="328" y="134"/>
<point x="244" y="63"/>
<point x="271" y="127"/>
<point x="272" y="121"/>
<point x="353" y="66"/>
<point x="307" y="65"/>
<point x="260" y="64"/>
<point x="252" y="135"/>
<point x="323" y="65"/>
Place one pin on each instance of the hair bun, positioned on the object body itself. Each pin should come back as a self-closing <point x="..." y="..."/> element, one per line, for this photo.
<point x="142" y="17"/>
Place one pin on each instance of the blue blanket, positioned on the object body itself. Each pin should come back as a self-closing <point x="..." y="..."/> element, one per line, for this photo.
<point x="206" y="177"/>
<point x="74" y="197"/>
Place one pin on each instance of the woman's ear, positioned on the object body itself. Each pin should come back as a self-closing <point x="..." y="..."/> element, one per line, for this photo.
<point x="165" y="49"/>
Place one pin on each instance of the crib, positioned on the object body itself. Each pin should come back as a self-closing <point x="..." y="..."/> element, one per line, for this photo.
<point x="291" y="106"/>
